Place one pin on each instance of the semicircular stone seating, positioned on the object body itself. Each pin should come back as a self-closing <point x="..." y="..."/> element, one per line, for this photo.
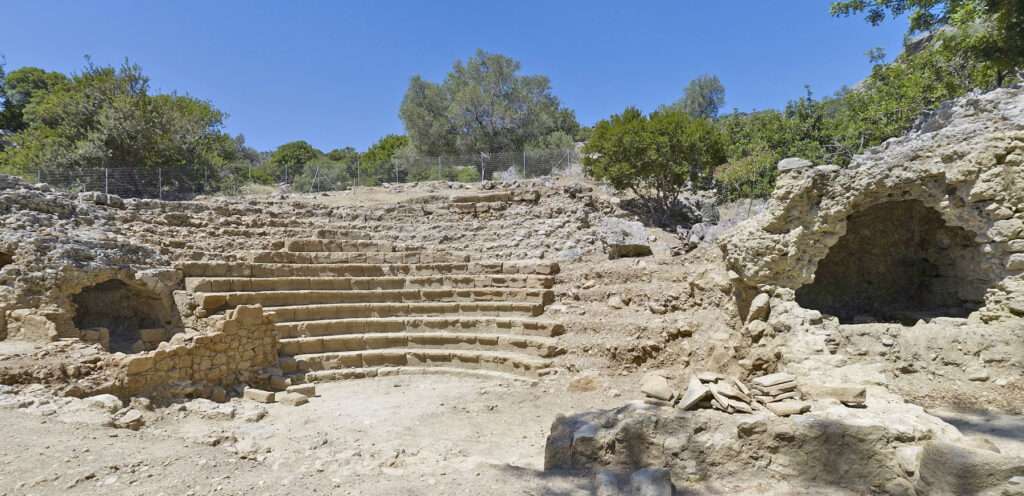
<point x="346" y="308"/>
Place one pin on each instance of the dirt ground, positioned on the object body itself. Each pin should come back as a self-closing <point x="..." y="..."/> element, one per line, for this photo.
<point x="384" y="436"/>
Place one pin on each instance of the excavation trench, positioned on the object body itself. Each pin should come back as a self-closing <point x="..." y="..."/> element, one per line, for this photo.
<point x="897" y="262"/>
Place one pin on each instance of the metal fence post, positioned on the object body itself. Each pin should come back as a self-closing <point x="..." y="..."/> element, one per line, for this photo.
<point x="160" y="183"/>
<point x="106" y="181"/>
<point x="481" y="166"/>
<point x="524" y="164"/>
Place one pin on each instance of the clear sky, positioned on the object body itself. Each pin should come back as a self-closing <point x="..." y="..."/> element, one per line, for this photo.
<point x="334" y="72"/>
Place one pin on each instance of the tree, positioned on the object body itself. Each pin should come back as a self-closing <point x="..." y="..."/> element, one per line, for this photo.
<point x="106" y="117"/>
<point x="992" y="31"/>
<point x="290" y="158"/>
<point x="18" y="88"/>
<point x="702" y="97"/>
<point x="655" y="157"/>
<point x="375" y="165"/>
<point x="483" y="105"/>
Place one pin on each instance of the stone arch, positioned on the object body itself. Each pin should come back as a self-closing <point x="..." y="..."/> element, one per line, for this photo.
<point x="124" y="317"/>
<point x="899" y="261"/>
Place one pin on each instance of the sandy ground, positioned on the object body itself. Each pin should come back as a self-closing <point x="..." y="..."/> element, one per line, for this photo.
<point x="385" y="436"/>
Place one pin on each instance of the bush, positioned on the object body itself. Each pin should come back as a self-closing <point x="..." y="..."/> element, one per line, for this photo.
<point x="467" y="175"/>
<point x="655" y="157"/>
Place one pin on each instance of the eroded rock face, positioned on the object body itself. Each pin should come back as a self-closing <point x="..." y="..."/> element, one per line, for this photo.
<point x="888" y="448"/>
<point x="946" y="201"/>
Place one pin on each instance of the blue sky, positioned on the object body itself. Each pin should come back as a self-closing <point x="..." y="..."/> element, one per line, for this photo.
<point x="333" y="72"/>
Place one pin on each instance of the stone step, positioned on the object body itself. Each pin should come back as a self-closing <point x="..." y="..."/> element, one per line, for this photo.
<point x="357" y="257"/>
<point x="233" y="284"/>
<point x="346" y="245"/>
<point x="424" y="357"/>
<point x="543" y="347"/>
<point x="212" y="302"/>
<point x="237" y="269"/>
<point x="369" y="310"/>
<point x="365" y="373"/>
<point x="498" y="325"/>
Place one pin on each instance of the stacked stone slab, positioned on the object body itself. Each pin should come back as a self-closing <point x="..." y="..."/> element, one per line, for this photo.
<point x="351" y="308"/>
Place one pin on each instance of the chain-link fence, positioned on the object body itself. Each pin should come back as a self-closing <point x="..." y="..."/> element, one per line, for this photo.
<point x="317" y="176"/>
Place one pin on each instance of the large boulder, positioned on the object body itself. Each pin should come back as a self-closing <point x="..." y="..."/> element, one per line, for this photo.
<point x="624" y="238"/>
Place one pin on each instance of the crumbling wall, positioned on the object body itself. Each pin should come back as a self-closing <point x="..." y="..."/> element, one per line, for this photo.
<point x="241" y="342"/>
<point x="967" y="165"/>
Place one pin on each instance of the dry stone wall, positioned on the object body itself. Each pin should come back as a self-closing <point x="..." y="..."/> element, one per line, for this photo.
<point x="242" y="341"/>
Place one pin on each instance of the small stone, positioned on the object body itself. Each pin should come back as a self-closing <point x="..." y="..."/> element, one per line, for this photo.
<point x="793" y="163"/>
<point x="695" y="394"/>
<point x="219" y="394"/>
<point x="977" y="374"/>
<point x="773" y="379"/>
<point x="615" y="301"/>
<point x="657" y="387"/>
<point x="759" y="308"/>
<point x="279" y="383"/>
<point x="106" y="402"/>
<point x="258" y="395"/>
<point x="130" y="419"/>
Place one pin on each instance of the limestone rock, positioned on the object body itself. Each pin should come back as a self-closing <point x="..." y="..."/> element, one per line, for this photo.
<point x="657" y="386"/>
<point x="624" y="238"/>
<point x="258" y="395"/>
<point x="759" y="308"/>
<point x="308" y="390"/>
<point x="129" y="419"/>
<point x="695" y="394"/>
<point x="291" y="399"/>
<point x="788" y="407"/>
<point x="793" y="163"/>
<point x="106" y="402"/>
<point x="847" y="395"/>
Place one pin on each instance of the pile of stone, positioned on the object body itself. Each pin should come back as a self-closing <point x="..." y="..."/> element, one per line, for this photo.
<point x="721" y="392"/>
<point x="778" y="393"/>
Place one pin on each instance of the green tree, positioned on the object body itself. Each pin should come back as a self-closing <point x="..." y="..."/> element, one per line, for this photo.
<point x="483" y="105"/>
<point x="655" y="157"/>
<point x="375" y="165"/>
<point x="18" y="88"/>
<point x="990" y="31"/>
<point x="702" y="97"/>
<point x="106" y="117"/>
<point x="290" y="158"/>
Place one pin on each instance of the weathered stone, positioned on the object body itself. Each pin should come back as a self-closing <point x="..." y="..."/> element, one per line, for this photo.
<point x="129" y="419"/>
<point x="789" y="407"/>
<point x="793" y="163"/>
<point x="106" y="402"/>
<point x="657" y="386"/>
<point x="695" y="394"/>
<point x="303" y="389"/>
<point x="258" y="395"/>
<point x="759" y="308"/>
<point x="623" y="238"/>
<point x="291" y="399"/>
<point x="771" y="380"/>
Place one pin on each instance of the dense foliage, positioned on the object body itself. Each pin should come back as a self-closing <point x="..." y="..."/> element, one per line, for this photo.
<point x="107" y="117"/>
<point x="484" y="105"/>
<point x="655" y="157"/>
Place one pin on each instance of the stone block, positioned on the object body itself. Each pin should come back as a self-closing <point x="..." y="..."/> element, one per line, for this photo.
<point x="789" y="407"/>
<point x="292" y="399"/>
<point x="651" y="482"/>
<point x="303" y="389"/>
<point x="106" y="402"/>
<point x="657" y="386"/>
<point x="258" y="395"/>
